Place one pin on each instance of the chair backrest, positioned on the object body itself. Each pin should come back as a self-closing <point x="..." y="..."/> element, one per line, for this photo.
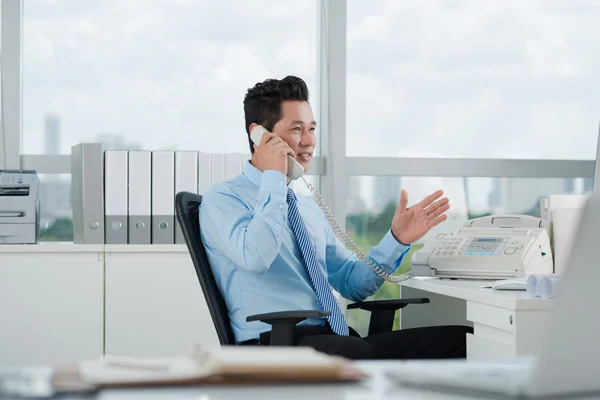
<point x="186" y="208"/>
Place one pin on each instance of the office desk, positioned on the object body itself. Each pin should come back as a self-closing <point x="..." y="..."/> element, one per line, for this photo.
<point x="505" y="323"/>
<point x="376" y="387"/>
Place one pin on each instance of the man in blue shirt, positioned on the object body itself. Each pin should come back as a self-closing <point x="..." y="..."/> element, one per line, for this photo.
<point x="271" y="250"/>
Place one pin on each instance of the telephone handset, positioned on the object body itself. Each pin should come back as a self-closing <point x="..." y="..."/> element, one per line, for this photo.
<point x="295" y="171"/>
<point x="294" y="168"/>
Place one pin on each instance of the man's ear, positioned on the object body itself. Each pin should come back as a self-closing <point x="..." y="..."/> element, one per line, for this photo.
<point x="252" y="126"/>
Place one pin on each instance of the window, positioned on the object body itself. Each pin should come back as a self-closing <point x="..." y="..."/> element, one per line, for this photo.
<point x="474" y="79"/>
<point x="372" y="201"/>
<point x="159" y="74"/>
<point x="56" y="214"/>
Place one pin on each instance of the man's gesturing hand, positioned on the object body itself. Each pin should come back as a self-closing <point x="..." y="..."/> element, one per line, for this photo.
<point x="412" y="223"/>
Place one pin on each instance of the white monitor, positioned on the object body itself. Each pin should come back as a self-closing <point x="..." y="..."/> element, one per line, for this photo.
<point x="596" y="183"/>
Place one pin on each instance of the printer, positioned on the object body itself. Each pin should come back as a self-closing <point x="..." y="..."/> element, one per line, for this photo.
<point x="19" y="207"/>
<point x="492" y="247"/>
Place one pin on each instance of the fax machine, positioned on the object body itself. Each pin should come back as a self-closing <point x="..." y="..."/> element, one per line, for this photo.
<point x="492" y="247"/>
<point x="19" y="207"/>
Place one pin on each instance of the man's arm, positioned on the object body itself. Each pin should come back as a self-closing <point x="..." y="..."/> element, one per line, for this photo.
<point x="355" y="279"/>
<point x="249" y="239"/>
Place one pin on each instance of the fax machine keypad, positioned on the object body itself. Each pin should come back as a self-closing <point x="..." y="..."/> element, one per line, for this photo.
<point x="449" y="246"/>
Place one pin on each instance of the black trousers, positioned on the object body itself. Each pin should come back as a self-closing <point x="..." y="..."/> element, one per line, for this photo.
<point x="435" y="342"/>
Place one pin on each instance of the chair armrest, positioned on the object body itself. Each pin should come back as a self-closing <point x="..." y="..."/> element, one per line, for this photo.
<point x="283" y="323"/>
<point x="282" y="315"/>
<point x="391" y="304"/>
<point x="383" y="312"/>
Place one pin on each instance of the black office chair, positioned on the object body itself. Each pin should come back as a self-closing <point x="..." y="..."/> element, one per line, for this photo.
<point x="283" y="323"/>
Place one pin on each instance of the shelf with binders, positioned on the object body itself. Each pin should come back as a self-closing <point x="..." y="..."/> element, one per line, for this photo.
<point x="126" y="197"/>
<point x="52" y="247"/>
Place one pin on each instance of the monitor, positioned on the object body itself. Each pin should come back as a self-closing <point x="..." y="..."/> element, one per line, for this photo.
<point x="596" y="183"/>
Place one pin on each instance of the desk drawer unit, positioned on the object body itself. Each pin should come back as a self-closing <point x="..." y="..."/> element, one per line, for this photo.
<point x="501" y="332"/>
<point x="494" y="332"/>
<point x="491" y="316"/>
<point x="480" y="347"/>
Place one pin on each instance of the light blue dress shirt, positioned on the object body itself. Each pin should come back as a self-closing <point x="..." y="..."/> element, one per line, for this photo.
<point x="255" y="259"/>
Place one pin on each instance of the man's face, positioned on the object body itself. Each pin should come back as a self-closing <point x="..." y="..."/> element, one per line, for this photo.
<point x="297" y="127"/>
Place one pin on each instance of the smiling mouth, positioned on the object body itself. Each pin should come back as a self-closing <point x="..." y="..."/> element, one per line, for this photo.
<point x="304" y="156"/>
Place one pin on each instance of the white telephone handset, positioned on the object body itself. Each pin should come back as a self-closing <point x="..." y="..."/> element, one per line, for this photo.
<point x="294" y="168"/>
<point x="295" y="171"/>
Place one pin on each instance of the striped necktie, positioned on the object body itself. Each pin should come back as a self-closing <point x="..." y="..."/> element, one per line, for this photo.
<point x="328" y="302"/>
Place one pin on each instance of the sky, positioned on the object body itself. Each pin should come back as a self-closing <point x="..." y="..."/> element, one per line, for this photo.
<point x="468" y="78"/>
<point x="162" y="73"/>
<point x="435" y="78"/>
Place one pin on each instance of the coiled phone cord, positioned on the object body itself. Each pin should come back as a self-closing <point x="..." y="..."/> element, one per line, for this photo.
<point x="350" y="243"/>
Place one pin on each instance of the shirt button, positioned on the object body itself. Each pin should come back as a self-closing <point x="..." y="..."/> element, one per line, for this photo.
<point x="280" y="183"/>
<point x="280" y="206"/>
<point x="398" y="254"/>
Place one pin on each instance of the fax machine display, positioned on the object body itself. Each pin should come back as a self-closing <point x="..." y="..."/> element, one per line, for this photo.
<point x="484" y="246"/>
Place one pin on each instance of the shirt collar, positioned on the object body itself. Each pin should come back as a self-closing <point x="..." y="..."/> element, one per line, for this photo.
<point x="254" y="174"/>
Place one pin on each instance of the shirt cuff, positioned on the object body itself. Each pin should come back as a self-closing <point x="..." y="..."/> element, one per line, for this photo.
<point x="273" y="182"/>
<point x="394" y="249"/>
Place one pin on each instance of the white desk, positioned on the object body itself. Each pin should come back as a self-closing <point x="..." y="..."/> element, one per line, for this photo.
<point x="505" y="323"/>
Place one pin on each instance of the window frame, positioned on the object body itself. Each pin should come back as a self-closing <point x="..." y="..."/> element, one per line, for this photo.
<point x="333" y="166"/>
<point x="11" y="31"/>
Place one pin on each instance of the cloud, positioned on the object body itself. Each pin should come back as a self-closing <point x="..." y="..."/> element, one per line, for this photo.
<point x="476" y="79"/>
<point x="451" y="78"/>
<point x="158" y="72"/>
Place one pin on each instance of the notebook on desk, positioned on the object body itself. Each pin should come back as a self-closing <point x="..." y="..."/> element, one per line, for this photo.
<point x="570" y="360"/>
<point x="228" y="365"/>
<point x="223" y="366"/>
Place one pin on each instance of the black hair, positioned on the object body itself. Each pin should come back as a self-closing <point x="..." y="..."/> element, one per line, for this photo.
<point x="262" y="103"/>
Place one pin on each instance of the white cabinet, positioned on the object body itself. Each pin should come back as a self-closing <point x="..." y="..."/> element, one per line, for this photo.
<point x="154" y="302"/>
<point x="51" y="303"/>
<point x="505" y="323"/>
<point x="504" y="333"/>
<point x="64" y="302"/>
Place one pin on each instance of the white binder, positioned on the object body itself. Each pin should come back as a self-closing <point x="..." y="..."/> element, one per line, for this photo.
<point x="186" y="180"/>
<point x="217" y="167"/>
<point x="204" y="172"/>
<point x="87" y="193"/>
<point x="232" y="165"/>
<point x="115" y="196"/>
<point x="140" y="196"/>
<point x="163" y="204"/>
<point x="245" y="158"/>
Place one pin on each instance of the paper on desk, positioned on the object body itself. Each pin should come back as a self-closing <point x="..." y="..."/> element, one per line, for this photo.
<point x="259" y="356"/>
<point x="98" y="372"/>
<point x="543" y="285"/>
<point x="205" y="363"/>
<point x="547" y="286"/>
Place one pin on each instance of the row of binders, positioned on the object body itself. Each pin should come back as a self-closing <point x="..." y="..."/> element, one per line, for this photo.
<point x="128" y="196"/>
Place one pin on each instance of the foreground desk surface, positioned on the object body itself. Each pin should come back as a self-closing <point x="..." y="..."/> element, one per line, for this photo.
<point x="506" y="323"/>
<point x="376" y="387"/>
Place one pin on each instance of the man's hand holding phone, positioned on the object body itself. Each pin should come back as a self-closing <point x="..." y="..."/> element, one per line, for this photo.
<point x="272" y="152"/>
